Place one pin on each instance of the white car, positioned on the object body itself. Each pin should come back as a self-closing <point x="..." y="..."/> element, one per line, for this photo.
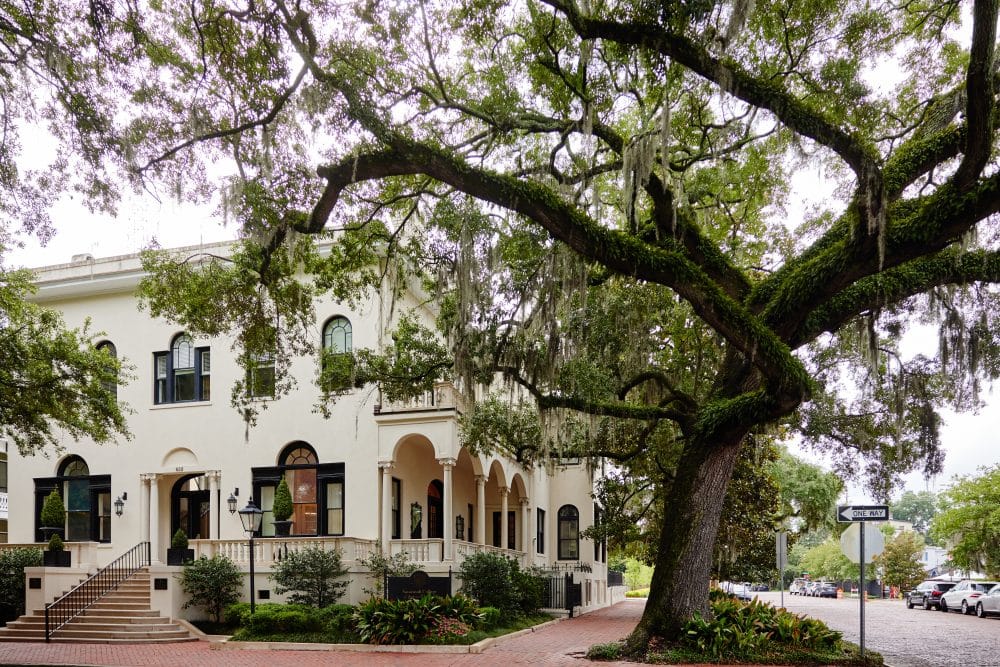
<point x="989" y="603"/>
<point x="965" y="595"/>
<point x="797" y="585"/>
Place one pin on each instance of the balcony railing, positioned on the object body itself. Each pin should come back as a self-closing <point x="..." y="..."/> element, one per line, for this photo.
<point x="444" y="396"/>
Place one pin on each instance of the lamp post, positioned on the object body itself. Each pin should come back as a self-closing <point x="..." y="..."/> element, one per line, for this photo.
<point x="251" y="516"/>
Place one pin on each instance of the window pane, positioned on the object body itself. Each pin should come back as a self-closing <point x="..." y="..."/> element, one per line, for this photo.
<point x="337" y="337"/>
<point x="183" y="353"/>
<point x="335" y="508"/>
<point x="267" y="505"/>
<point x="302" y="484"/>
<point x="77" y="526"/>
<point x="104" y="517"/>
<point x="184" y="385"/>
<point x="206" y="375"/>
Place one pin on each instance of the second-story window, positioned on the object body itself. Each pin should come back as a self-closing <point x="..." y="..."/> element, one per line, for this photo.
<point x="260" y="377"/>
<point x="108" y="348"/>
<point x="183" y="374"/>
<point x="337" y="361"/>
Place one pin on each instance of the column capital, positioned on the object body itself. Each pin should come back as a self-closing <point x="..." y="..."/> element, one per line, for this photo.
<point x="447" y="462"/>
<point x="148" y="476"/>
<point x="481" y="479"/>
<point x="386" y="465"/>
<point x="525" y="501"/>
<point x="504" y="491"/>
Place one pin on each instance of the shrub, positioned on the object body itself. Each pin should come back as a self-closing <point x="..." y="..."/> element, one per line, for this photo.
<point x="382" y="566"/>
<point x="461" y="608"/>
<point x="311" y="575"/>
<point x="179" y="540"/>
<point x="212" y="583"/>
<point x="56" y="543"/>
<point x="382" y="621"/>
<point x="490" y="618"/>
<point x="494" y="580"/>
<point x="282" y="506"/>
<point x="53" y="513"/>
<point x="12" y="564"/>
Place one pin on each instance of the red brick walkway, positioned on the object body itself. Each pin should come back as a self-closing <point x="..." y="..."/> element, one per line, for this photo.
<point x="563" y="643"/>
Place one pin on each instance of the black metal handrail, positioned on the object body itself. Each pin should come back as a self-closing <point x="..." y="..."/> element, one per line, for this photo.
<point x="92" y="589"/>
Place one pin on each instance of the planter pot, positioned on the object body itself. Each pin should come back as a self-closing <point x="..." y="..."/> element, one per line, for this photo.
<point x="57" y="558"/>
<point x="179" y="556"/>
<point x="282" y="528"/>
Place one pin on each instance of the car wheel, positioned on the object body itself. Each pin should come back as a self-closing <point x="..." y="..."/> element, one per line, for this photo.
<point x="965" y="607"/>
<point x="943" y="606"/>
<point x="979" y="610"/>
<point x="927" y="604"/>
<point x="909" y="603"/>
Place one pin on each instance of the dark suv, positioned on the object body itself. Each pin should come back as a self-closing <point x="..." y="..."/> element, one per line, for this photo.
<point x="928" y="594"/>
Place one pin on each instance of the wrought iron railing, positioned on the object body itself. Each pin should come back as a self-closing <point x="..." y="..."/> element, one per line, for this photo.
<point x="99" y="584"/>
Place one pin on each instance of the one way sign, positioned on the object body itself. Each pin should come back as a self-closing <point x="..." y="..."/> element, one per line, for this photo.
<point x="850" y="513"/>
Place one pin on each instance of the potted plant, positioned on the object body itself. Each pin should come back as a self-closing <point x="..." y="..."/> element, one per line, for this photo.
<point x="53" y="516"/>
<point x="282" y="509"/>
<point x="56" y="555"/>
<point x="178" y="553"/>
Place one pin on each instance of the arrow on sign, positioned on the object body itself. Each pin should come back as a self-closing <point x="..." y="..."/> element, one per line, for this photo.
<point x="863" y="513"/>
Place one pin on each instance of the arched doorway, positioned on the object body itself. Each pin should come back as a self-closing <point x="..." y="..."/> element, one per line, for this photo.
<point x="435" y="509"/>
<point x="190" y="503"/>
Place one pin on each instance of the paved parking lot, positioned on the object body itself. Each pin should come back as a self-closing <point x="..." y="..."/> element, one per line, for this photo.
<point x="907" y="637"/>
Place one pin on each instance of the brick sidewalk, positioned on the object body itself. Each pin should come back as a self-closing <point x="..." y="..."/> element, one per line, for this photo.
<point x="563" y="643"/>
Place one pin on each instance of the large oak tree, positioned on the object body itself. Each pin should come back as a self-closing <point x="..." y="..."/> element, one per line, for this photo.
<point x="595" y="192"/>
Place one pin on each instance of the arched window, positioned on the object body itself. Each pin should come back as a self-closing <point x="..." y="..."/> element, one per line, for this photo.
<point x="317" y="491"/>
<point x="190" y="506"/>
<point x="569" y="533"/>
<point x="184" y="373"/>
<point x="337" y="362"/>
<point x="337" y="335"/>
<point x="108" y="348"/>
<point x="86" y="497"/>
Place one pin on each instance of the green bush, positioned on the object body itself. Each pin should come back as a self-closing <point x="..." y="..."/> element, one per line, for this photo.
<point x="179" y="540"/>
<point x="212" y="583"/>
<point x="382" y="566"/>
<point x="335" y="622"/>
<point x="12" y="564"/>
<point x="382" y="621"/>
<point x="490" y="618"/>
<point x="311" y="576"/>
<point x="282" y="506"/>
<point x="461" y="608"/>
<point x="53" y="514"/>
<point x="56" y="543"/>
<point x="494" y="580"/>
<point x="742" y="630"/>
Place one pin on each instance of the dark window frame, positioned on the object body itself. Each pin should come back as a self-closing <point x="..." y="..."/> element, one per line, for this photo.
<point x="326" y="473"/>
<point x="540" y="531"/>
<point x="201" y="370"/>
<point x="570" y="515"/>
<point x="109" y="347"/>
<point x="96" y="485"/>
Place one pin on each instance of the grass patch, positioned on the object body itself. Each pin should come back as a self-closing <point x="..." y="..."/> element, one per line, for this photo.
<point x="521" y="623"/>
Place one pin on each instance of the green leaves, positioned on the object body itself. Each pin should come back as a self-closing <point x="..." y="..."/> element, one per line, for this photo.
<point x="212" y="583"/>
<point x="312" y="575"/>
<point x="969" y="521"/>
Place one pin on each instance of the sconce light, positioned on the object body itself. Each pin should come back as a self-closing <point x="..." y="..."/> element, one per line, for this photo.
<point x="460" y="527"/>
<point x="120" y="503"/>
<point x="231" y="500"/>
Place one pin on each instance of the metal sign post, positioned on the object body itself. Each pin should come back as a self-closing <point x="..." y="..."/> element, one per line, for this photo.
<point x="781" y="547"/>
<point x="860" y="515"/>
<point x="861" y="591"/>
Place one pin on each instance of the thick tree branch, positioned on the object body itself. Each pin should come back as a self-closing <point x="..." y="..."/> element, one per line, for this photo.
<point x="979" y="92"/>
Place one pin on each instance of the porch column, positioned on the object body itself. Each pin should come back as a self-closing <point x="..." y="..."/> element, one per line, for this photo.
<point x="144" y="506"/>
<point x="480" y="509"/>
<point x="504" y="533"/>
<point x="449" y="517"/>
<point x="386" y="532"/>
<point x="154" y="518"/>
<point x="214" y="513"/>
<point x="526" y="528"/>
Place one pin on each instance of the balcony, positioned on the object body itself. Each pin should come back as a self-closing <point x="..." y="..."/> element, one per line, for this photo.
<point x="443" y="397"/>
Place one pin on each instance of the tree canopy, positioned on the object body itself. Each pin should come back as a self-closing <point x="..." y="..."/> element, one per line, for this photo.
<point x="969" y="522"/>
<point x="596" y="193"/>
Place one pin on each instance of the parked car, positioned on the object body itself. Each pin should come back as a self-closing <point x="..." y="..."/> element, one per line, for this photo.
<point x="989" y="603"/>
<point x="826" y="589"/>
<point x="797" y="585"/>
<point x="811" y="588"/>
<point x="965" y="595"/>
<point x="928" y="594"/>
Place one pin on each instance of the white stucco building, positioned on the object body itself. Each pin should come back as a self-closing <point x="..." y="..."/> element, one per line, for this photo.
<point x="373" y="473"/>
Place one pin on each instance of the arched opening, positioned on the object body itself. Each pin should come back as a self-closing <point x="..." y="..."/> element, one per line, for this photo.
<point x="190" y="506"/>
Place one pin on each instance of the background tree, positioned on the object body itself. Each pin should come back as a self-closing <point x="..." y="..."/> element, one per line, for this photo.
<point x="53" y="379"/>
<point x="808" y="493"/>
<point x="827" y="561"/>
<point x="900" y="560"/>
<point x="596" y="194"/>
<point x="313" y="575"/>
<point x="919" y="508"/>
<point x="969" y="522"/>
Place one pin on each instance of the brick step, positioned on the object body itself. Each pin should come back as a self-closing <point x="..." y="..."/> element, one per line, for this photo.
<point x="96" y="622"/>
<point x="143" y="612"/>
<point x="73" y="640"/>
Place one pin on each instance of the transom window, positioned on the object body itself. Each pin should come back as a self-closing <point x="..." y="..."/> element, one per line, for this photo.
<point x="317" y="492"/>
<point x="569" y="533"/>
<point x="184" y="373"/>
